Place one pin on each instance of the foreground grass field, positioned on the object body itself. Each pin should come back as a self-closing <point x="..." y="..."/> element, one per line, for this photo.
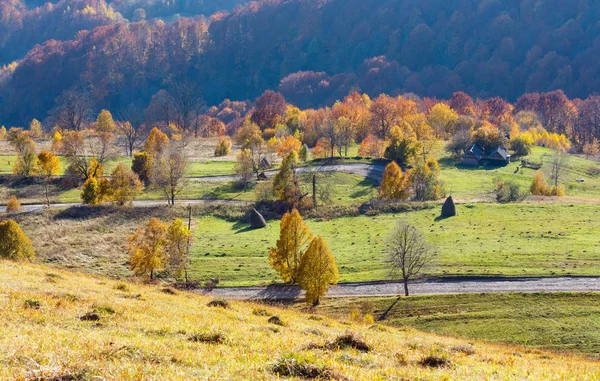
<point x="483" y="240"/>
<point x="63" y="326"/>
<point x="567" y="322"/>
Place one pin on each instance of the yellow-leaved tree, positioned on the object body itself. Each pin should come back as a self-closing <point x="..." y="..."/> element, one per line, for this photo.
<point x="178" y="240"/>
<point x="148" y="249"/>
<point x="294" y="235"/>
<point x="317" y="271"/>
<point x="156" y="143"/>
<point x="394" y="185"/>
<point x="14" y="243"/>
<point x="35" y="129"/>
<point x="124" y="185"/>
<point x="48" y="166"/>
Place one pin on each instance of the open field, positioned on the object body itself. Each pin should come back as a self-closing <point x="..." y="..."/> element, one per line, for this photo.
<point x="484" y="239"/>
<point x="465" y="182"/>
<point x="568" y="322"/>
<point x="143" y="332"/>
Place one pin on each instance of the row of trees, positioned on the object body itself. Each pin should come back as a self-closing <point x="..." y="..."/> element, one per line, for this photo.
<point x="393" y="47"/>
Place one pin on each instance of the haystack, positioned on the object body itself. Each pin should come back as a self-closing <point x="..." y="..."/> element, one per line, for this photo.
<point x="257" y="221"/>
<point x="448" y="209"/>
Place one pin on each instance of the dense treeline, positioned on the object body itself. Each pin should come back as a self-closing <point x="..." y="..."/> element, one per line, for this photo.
<point x="315" y="52"/>
<point x="21" y="27"/>
<point x="24" y="24"/>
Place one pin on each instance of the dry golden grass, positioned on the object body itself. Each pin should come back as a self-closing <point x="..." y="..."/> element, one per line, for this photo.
<point x="144" y="333"/>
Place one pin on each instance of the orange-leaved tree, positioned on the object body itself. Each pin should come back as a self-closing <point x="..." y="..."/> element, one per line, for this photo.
<point x="48" y="166"/>
<point x="285" y="257"/>
<point x="395" y="185"/>
<point x="317" y="271"/>
<point x="148" y="249"/>
<point x="14" y="243"/>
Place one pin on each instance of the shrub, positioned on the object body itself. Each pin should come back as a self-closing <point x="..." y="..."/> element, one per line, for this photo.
<point x="223" y="147"/>
<point x="122" y="287"/>
<point x="13" y="205"/>
<point x="90" y="316"/>
<point x="509" y="191"/>
<point x="33" y="304"/>
<point x="292" y="366"/>
<point x="276" y="320"/>
<point x="209" y="338"/>
<point x="303" y="153"/>
<point x="349" y="340"/>
<point x="218" y="303"/>
<point x="14" y="243"/>
<point x="435" y="359"/>
<point x="168" y="290"/>
<point x="260" y="312"/>
<point x="141" y="165"/>
<point x="90" y="192"/>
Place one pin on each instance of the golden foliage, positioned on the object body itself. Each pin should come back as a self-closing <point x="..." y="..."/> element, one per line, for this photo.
<point x="294" y="235"/>
<point x="539" y="187"/>
<point x="223" y="147"/>
<point x="441" y="118"/>
<point x="48" y="164"/>
<point x="13" y="205"/>
<point x="14" y="243"/>
<point x="90" y="191"/>
<point x="394" y="185"/>
<point x="178" y="236"/>
<point x="317" y="270"/>
<point x="147" y="248"/>
<point x="2" y="133"/>
<point x="156" y="143"/>
<point x="288" y="145"/>
<point x="124" y="185"/>
<point x="35" y="129"/>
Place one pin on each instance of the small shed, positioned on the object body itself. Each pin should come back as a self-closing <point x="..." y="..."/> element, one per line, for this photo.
<point x="499" y="156"/>
<point x="473" y="155"/>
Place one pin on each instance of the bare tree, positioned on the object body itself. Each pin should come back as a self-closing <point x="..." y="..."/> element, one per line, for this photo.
<point x="186" y="102"/>
<point x="73" y="110"/>
<point x="407" y="252"/>
<point x="129" y="129"/>
<point x="168" y="174"/>
<point x="558" y="166"/>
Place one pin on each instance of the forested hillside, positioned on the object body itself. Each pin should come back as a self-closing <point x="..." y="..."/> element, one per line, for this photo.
<point x="315" y="52"/>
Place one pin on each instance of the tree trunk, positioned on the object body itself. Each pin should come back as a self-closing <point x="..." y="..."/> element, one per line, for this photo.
<point x="47" y="199"/>
<point x="405" y="287"/>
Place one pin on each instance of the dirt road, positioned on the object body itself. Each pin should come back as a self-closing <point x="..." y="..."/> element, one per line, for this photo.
<point x="444" y="286"/>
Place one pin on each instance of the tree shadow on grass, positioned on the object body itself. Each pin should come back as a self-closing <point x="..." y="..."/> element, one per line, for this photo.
<point x="385" y="314"/>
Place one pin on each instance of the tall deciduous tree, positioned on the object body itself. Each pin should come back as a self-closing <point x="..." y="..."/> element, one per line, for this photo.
<point x="125" y="185"/>
<point x="148" y="249"/>
<point x="48" y="166"/>
<point x="14" y="243"/>
<point x="269" y="110"/>
<point x="156" y="143"/>
<point x="72" y="111"/>
<point x="395" y="185"/>
<point x="317" y="271"/>
<point x="286" y="185"/>
<point x="168" y="173"/>
<point x="407" y="253"/>
<point x="178" y="241"/>
<point x="286" y="256"/>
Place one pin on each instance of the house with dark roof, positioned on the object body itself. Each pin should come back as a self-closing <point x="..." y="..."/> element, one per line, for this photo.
<point x="475" y="156"/>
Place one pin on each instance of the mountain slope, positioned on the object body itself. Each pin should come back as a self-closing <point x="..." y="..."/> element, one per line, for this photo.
<point x="60" y="325"/>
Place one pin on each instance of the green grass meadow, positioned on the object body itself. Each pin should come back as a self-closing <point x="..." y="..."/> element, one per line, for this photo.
<point x="483" y="240"/>
<point x="568" y="322"/>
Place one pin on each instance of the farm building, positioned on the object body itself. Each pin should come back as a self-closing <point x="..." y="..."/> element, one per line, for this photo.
<point x="475" y="156"/>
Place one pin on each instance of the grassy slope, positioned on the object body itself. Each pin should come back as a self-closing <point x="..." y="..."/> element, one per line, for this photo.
<point x="560" y="321"/>
<point x="144" y="333"/>
<point x="485" y="239"/>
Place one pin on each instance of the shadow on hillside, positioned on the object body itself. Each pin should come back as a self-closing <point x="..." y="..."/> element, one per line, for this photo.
<point x="385" y="314"/>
